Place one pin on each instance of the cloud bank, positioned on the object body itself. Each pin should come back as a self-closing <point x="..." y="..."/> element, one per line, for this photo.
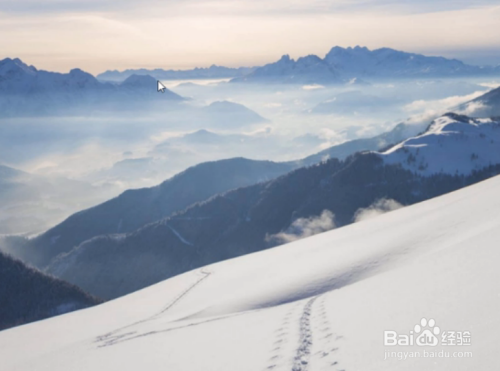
<point x="305" y="227"/>
<point x="377" y="208"/>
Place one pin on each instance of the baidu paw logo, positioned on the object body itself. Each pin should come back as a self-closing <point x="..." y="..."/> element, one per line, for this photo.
<point x="427" y="333"/>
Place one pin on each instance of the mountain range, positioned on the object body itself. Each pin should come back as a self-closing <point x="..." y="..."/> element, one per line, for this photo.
<point x="452" y="151"/>
<point x="26" y="91"/>
<point x="305" y="70"/>
<point x="136" y="208"/>
<point x="390" y="63"/>
<point x="204" y="141"/>
<point x="342" y="65"/>
<point x="28" y="295"/>
<point x="249" y="219"/>
<point x="224" y="220"/>
<point x="226" y="209"/>
<point x="212" y="72"/>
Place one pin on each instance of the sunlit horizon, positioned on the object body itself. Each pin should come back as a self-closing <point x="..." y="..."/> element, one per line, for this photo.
<point x="99" y="36"/>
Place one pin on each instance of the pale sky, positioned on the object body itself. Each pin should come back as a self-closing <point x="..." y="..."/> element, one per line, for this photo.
<point x="97" y="35"/>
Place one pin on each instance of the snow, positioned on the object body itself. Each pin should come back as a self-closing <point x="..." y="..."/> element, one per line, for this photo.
<point x="179" y="236"/>
<point x="452" y="145"/>
<point x="321" y="303"/>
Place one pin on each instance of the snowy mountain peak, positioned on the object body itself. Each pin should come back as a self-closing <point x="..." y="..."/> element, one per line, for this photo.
<point x="10" y="66"/>
<point x="306" y="70"/>
<point x="387" y="62"/>
<point x="285" y="58"/>
<point x="452" y="144"/>
<point x="82" y="78"/>
<point x="228" y="107"/>
<point x="139" y="81"/>
<point x="338" y="50"/>
<point x="77" y="72"/>
<point x="310" y="60"/>
<point x="451" y="117"/>
<point x="225" y="105"/>
<point x="145" y="85"/>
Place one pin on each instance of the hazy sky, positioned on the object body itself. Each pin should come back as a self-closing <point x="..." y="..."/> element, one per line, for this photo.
<point x="96" y="35"/>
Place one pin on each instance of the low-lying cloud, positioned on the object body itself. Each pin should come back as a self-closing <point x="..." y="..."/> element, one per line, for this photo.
<point x="379" y="207"/>
<point x="440" y="105"/>
<point x="305" y="227"/>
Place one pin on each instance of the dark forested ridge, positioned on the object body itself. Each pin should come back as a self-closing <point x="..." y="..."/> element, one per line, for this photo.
<point x="28" y="295"/>
<point x="136" y="208"/>
<point x="239" y="222"/>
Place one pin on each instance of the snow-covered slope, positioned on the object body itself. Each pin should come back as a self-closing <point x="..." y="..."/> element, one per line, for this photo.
<point x="321" y="303"/>
<point x="453" y="144"/>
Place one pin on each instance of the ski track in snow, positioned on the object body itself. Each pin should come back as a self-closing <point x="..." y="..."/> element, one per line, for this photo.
<point x="278" y="357"/>
<point x="302" y="357"/>
<point x="134" y="335"/>
<point x="327" y="340"/>
<point x="113" y="337"/>
<point x="317" y="343"/>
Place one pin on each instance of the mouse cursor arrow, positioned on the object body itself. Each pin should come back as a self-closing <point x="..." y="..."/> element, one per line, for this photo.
<point x="160" y="87"/>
